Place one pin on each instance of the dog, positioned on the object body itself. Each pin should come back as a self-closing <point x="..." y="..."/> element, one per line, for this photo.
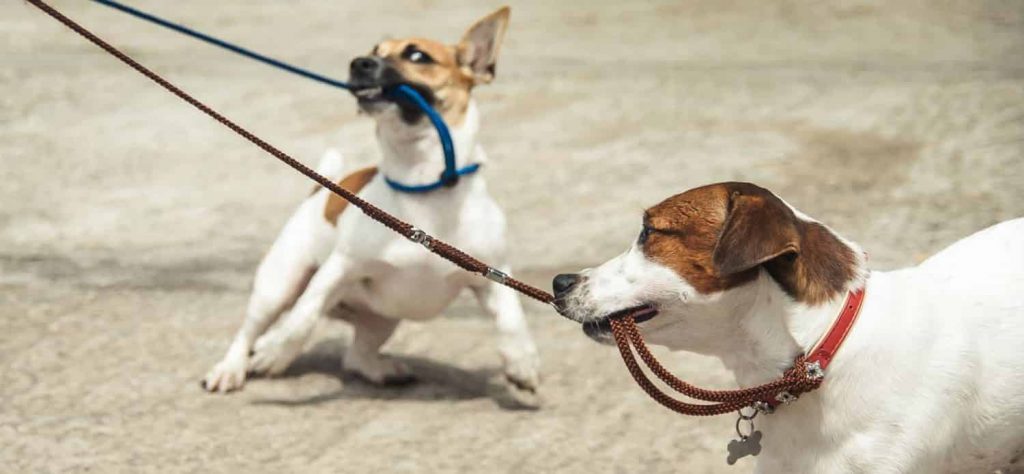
<point x="328" y="260"/>
<point x="928" y="379"/>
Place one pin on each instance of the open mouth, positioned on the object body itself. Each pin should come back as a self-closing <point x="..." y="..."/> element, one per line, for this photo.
<point x="375" y="95"/>
<point x="369" y="95"/>
<point x="600" y="329"/>
<point x="376" y="91"/>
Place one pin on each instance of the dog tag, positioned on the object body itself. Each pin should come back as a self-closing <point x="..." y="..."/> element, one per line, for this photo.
<point x="743" y="447"/>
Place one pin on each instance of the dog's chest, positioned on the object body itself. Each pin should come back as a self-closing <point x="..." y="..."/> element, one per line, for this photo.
<point x="397" y="278"/>
<point x="409" y="292"/>
<point x="406" y="282"/>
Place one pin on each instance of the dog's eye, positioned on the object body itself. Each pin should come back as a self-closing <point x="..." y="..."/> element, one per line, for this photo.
<point x="412" y="53"/>
<point x="644" y="234"/>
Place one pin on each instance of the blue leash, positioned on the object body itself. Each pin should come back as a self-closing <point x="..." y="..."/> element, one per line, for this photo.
<point x="449" y="176"/>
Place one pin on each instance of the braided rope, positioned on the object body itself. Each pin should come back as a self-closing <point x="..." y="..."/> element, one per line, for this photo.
<point x="791" y="378"/>
<point x="795" y="381"/>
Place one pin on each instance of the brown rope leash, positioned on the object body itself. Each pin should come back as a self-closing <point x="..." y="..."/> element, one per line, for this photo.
<point x="794" y="381"/>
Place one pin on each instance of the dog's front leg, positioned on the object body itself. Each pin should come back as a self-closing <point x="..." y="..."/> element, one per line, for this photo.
<point x="280" y="279"/>
<point x="276" y="349"/>
<point x="518" y="352"/>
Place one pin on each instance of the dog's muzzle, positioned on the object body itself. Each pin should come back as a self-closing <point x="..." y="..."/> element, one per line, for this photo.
<point x="372" y="79"/>
<point x="600" y="328"/>
<point x="366" y="78"/>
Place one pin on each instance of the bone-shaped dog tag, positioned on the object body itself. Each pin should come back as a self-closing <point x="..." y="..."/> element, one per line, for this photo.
<point x="743" y="447"/>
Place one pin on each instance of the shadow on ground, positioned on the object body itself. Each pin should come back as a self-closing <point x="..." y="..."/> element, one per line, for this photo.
<point x="435" y="381"/>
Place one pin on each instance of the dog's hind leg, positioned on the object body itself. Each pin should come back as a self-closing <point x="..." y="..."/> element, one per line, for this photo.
<point x="363" y="356"/>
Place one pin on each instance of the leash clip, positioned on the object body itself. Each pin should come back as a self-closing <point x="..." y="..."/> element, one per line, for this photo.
<point x="421" y="238"/>
<point x="496" y="275"/>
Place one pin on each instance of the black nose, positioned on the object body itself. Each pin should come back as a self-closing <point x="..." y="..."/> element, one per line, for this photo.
<point x="564" y="282"/>
<point x="364" y="67"/>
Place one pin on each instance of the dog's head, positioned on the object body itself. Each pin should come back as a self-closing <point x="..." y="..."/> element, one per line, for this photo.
<point x="443" y="74"/>
<point x="696" y="251"/>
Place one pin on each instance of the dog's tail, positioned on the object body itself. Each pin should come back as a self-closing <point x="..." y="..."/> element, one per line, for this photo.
<point x="332" y="164"/>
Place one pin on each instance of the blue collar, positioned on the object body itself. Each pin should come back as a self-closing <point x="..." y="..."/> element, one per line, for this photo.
<point x="446" y="180"/>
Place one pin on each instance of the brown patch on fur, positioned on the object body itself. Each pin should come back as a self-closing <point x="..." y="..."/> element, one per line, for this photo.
<point x="354" y="182"/>
<point x="717" y="237"/>
<point x="454" y="69"/>
<point x="684" y="235"/>
<point x="450" y="85"/>
<point x="822" y="268"/>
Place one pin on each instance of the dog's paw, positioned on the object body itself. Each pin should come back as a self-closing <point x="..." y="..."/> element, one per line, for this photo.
<point x="380" y="370"/>
<point x="227" y="376"/>
<point x="273" y="353"/>
<point x="523" y="370"/>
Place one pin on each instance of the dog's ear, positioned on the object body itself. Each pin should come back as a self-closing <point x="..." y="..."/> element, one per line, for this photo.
<point x="477" y="52"/>
<point x="758" y="228"/>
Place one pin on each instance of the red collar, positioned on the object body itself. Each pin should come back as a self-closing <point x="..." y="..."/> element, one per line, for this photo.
<point x="819" y="358"/>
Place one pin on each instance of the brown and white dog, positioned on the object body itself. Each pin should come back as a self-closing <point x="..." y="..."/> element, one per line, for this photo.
<point x="327" y="260"/>
<point x="929" y="379"/>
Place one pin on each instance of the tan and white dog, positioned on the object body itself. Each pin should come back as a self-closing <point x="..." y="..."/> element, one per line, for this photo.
<point x="929" y="380"/>
<point x="328" y="261"/>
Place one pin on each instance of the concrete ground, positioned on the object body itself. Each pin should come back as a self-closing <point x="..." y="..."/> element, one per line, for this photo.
<point x="130" y="224"/>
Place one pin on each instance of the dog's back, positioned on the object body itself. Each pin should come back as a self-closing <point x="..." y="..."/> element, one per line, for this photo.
<point x="990" y="260"/>
<point x="977" y="290"/>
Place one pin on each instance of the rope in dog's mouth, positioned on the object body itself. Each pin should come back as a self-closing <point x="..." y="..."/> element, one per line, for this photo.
<point x="623" y="323"/>
<point x="639" y="314"/>
<point x="794" y="381"/>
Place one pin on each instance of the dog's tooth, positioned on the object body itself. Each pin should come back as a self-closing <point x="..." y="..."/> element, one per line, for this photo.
<point x="368" y="92"/>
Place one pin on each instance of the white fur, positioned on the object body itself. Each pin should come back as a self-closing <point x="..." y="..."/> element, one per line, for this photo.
<point x="376" y="275"/>
<point x="928" y="381"/>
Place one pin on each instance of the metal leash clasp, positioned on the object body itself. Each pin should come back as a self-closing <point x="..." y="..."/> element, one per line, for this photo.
<point x="496" y="275"/>
<point x="421" y="238"/>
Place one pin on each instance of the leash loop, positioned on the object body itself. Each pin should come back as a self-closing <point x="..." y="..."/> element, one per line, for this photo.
<point x="793" y="382"/>
<point x="425" y="188"/>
